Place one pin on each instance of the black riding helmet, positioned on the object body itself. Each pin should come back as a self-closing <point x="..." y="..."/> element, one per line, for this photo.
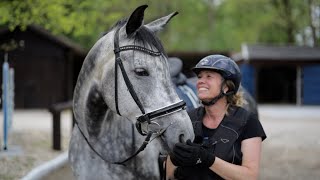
<point x="225" y="66"/>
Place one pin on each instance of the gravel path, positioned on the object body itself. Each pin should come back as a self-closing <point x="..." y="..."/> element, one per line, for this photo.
<point x="30" y="142"/>
<point x="292" y="148"/>
<point x="290" y="152"/>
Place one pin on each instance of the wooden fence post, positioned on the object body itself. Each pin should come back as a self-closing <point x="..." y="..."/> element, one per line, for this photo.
<point x="56" y="135"/>
<point x="56" y="110"/>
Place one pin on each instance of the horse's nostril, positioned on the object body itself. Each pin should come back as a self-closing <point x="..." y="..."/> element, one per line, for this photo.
<point x="181" y="138"/>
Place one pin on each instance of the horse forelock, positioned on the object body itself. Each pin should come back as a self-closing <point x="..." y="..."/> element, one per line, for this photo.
<point x="143" y="35"/>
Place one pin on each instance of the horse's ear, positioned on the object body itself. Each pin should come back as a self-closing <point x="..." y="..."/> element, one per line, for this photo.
<point x="136" y="20"/>
<point x="159" y="24"/>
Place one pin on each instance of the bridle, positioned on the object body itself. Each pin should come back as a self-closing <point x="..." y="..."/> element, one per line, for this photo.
<point x="146" y="119"/>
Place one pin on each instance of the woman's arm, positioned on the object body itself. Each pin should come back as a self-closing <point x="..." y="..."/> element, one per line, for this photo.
<point x="249" y="169"/>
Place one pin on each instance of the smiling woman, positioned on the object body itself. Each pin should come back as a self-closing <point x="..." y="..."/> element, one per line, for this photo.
<point x="228" y="138"/>
<point x="207" y="79"/>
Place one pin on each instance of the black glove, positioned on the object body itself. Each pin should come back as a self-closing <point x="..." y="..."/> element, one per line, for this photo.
<point x="183" y="172"/>
<point x="191" y="154"/>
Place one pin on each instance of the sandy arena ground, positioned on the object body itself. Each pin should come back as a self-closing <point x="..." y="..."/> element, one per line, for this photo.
<point x="291" y="150"/>
<point x="30" y="142"/>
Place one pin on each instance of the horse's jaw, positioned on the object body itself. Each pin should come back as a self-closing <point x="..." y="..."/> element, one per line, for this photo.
<point x="178" y="132"/>
<point x="164" y="148"/>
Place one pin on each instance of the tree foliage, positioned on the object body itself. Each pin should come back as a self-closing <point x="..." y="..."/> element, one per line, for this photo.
<point x="264" y="21"/>
<point x="80" y="20"/>
<point x="202" y="25"/>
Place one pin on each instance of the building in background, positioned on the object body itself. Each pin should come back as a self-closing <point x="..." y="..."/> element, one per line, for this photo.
<point x="46" y="67"/>
<point x="281" y="74"/>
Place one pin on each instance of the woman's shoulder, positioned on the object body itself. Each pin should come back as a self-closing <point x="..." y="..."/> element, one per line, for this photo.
<point x="196" y="114"/>
<point x="252" y="127"/>
<point x="237" y="111"/>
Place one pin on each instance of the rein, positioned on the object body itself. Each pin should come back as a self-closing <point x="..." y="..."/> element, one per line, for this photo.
<point x="142" y="147"/>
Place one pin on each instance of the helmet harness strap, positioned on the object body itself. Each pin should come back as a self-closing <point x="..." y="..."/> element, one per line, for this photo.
<point x="219" y="96"/>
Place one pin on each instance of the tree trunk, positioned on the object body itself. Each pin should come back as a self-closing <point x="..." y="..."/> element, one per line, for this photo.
<point x="312" y="26"/>
<point x="290" y="23"/>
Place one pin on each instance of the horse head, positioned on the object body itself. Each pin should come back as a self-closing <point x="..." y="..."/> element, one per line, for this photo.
<point x="126" y="74"/>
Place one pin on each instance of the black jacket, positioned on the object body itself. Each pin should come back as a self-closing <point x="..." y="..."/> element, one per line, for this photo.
<point x="223" y="142"/>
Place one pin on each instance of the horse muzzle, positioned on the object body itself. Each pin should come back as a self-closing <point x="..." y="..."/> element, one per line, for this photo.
<point x="146" y="122"/>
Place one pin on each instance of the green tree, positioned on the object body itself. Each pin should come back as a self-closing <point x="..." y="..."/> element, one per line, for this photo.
<point x="264" y="21"/>
<point x="202" y="25"/>
<point x="80" y="20"/>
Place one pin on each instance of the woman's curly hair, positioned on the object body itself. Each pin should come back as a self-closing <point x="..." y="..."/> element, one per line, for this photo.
<point x="235" y="99"/>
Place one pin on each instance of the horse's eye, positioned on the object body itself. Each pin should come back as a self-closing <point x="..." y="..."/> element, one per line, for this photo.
<point x="141" y="72"/>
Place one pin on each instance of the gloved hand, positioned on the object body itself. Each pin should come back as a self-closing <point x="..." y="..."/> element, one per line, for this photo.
<point x="191" y="154"/>
<point x="183" y="172"/>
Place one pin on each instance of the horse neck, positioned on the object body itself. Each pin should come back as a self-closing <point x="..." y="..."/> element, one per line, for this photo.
<point x="88" y="103"/>
<point x="118" y="139"/>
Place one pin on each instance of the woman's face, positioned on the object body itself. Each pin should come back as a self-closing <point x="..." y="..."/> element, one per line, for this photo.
<point x="208" y="85"/>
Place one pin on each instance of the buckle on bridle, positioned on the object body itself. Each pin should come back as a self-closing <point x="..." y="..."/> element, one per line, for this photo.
<point x="116" y="50"/>
<point x="144" y="118"/>
<point x="142" y="123"/>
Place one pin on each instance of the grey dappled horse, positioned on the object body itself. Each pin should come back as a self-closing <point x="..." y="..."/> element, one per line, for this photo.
<point x="124" y="92"/>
